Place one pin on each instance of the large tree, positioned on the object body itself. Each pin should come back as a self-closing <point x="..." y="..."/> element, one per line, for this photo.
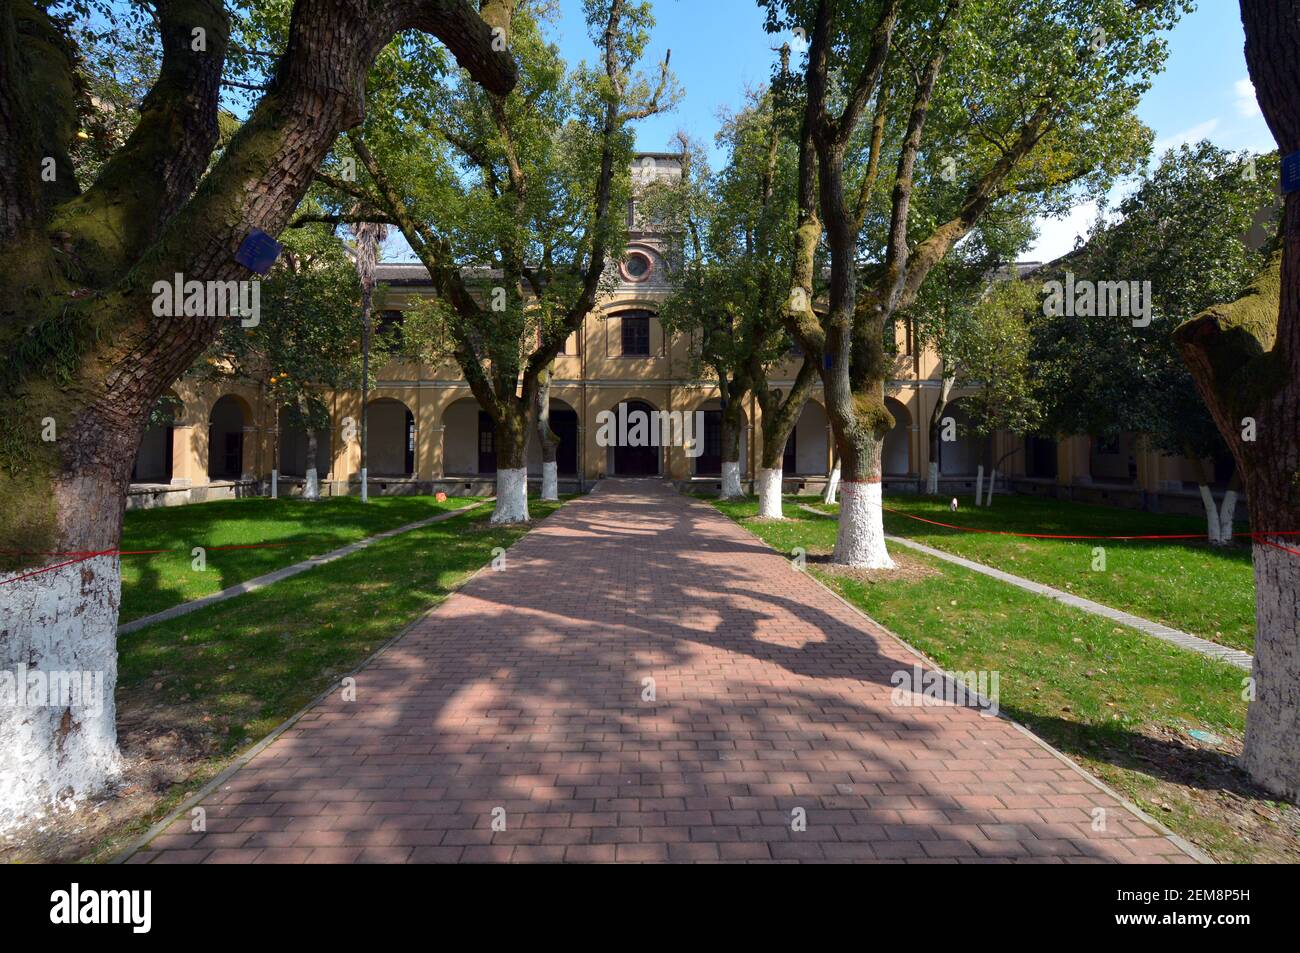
<point x="728" y="235"/>
<point x="515" y="205"/>
<point x="973" y="103"/>
<point x="86" y="356"/>
<point x="1198" y="227"/>
<point x="1245" y="359"/>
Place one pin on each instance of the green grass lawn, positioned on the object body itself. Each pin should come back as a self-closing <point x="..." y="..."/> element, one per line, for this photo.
<point x="151" y="583"/>
<point x="1189" y="585"/>
<point x="226" y="675"/>
<point x="1121" y="702"/>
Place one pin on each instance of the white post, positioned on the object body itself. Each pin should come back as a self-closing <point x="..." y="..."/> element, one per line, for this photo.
<point x="1227" y="516"/>
<point x="979" y="484"/>
<point x="832" y="484"/>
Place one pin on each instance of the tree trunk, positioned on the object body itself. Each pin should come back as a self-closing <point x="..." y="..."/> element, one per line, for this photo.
<point x="512" y="468"/>
<point x="1212" y="527"/>
<point x="732" y="426"/>
<point x="546" y="436"/>
<point x="311" y="481"/>
<point x="60" y="622"/>
<point x="832" y="483"/>
<point x="936" y="435"/>
<point x="88" y="353"/>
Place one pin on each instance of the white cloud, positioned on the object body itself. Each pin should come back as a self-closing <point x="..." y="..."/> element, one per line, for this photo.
<point x="1056" y="235"/>
<point x="1247" y="104"/>
<point x="1195" y="134"/>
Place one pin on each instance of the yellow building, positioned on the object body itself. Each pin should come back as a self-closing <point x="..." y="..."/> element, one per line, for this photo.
<point x="427" y="432"/>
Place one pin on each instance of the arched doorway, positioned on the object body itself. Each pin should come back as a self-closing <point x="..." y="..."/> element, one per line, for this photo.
<point x="709" y="462"/>
<point x="390" y="438"/>
<point x="226" y="423"/>
<point x="960" y="456"/>
<point x="1040" y="457"/>
<point x="153" y="460"/>
<point x="641" y="460"/>
<point x="293" y="443"/>
<point x="564" y="424"/>
<point x="897" y="452"/>
<point x="805" y="451"/>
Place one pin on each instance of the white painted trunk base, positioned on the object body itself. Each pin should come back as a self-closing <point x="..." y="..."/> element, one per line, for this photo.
<point x="275" y="484"/>
<point x="311" y="491"/>
<point x="1211" y="515"/>
<point x="731" y="480"/>
<point x="1227" y="515"/>
<point x="979" y="484"/>
<point x="1272" y="751"/>
<point x="365" y="485"/>
<point x="993" y="478"/>
<point x="550" y="480"/>
<point x="932" y="480"/>
<point x="512" y="496"/>
<point x="832" y="484"/>
<point x="860" y="542"/>
<point x="769" y="493"/>
<point x="51" y="752"/>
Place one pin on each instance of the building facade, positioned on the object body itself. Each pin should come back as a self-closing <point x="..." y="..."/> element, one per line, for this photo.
<point x="428" y="434"/>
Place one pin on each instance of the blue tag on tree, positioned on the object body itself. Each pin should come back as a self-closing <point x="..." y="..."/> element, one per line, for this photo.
<point x="1291" y="173"/>
<point x="258" y="251"/>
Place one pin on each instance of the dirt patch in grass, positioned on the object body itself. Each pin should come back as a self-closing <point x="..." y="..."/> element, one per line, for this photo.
<point x="906" y="569"/>
<point x="167" y="753"/>
<point x="1201" y="788"/>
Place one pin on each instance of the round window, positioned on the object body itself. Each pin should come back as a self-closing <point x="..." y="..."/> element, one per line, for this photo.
<point x="636" y="267"/>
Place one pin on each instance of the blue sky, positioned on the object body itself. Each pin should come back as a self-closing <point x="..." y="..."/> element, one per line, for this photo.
<point x="719" y="49"/>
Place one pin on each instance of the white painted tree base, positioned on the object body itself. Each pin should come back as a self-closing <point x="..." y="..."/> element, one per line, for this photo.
<point x="1227" y="515"/>
<point x="275" y="484"/>
<point x="769" y="494"/>
<point x="60" y="621"/>
<point x="550" y="480"/>
<point x="860" y="542"/>
<point x="932" y="480"/>
<point x="1211" y="516"/>
<point x="365" y="485"/>
<point x="1272" y="749"/>
<point x="311" y="490"/>
<point x="832" y="485"/>
<point x="512" y="496"/>
<point x="731" y="480"/>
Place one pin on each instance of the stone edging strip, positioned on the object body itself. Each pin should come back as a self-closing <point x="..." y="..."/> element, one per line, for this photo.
<point x="224" y="775"/>
<point x="1181" y="843"/>
<point x="266" y="579"/>
<point x="1184" y="640"/>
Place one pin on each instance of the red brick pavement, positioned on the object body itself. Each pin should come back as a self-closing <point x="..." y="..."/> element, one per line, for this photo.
<point x="523" y="692"/>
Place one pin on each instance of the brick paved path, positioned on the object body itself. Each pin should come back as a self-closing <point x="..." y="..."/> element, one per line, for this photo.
<point x="524" y="691"/>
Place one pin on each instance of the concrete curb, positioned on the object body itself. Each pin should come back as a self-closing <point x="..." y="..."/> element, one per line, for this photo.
<point x="285" y="572"/>
<point x="1184" y="640"/>
<point x="1188" y="848"/>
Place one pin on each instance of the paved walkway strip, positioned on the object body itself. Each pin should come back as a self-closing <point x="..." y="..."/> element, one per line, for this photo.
<point x="1185" y="640"/>
<point x="646" y="681"/>
<point x="266" y="579"/>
